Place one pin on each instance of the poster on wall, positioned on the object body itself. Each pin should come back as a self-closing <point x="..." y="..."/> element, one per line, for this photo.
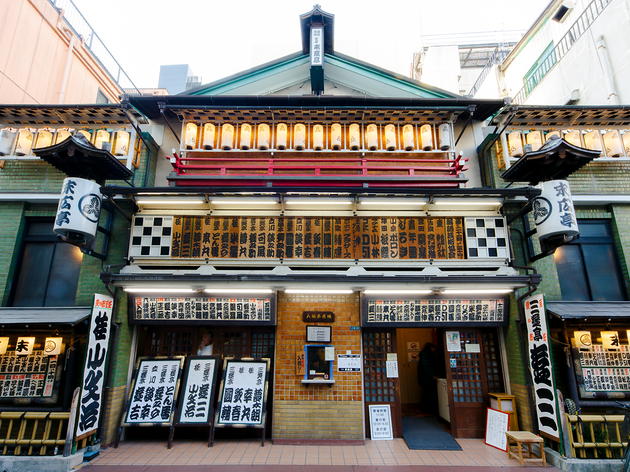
<point x="540" y="366"/>
<point x="89" y="410"/>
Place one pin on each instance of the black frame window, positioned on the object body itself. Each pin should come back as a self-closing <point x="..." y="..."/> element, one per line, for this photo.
<point x="588" y="268"/>
<point x="49" y="269"/>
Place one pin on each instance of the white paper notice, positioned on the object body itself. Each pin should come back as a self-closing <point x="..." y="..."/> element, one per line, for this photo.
<point x="329" y="353"/>
<point x="392" y="369"/>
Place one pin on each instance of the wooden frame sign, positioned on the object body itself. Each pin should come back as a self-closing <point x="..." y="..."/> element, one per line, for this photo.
<point x="153" y="393"/>
<point x="243" y="395"/>
<point x="196" y="406"/>
<point x="497" y="424"/>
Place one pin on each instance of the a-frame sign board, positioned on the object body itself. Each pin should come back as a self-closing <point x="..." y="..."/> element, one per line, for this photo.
<point x="153" y="393"/>
<point x="243" y="395"/>
<point x="196" y="405"/>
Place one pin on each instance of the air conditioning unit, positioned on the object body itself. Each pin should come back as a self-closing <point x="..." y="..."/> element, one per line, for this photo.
<point x="563" y="11"/>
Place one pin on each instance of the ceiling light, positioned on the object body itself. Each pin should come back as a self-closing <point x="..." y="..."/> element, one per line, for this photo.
<point x="158" y="290"/>
<point x="479" y="291"/>
<point x="396" y="292"/>
<point x="316" y="201"/>
<point x="331" y="291"/>
<point x="238" y="290"/>
<point x="163" y="200"/>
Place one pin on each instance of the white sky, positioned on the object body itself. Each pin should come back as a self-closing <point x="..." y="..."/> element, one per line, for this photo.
<point x="220" y="38"/>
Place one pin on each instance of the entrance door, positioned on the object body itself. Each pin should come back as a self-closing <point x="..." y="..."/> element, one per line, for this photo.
<point x="378" y="389"/>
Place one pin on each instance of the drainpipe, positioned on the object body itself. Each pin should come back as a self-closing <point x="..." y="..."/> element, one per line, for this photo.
<point x="613" y="98"/>
<point x="66" y="70"/>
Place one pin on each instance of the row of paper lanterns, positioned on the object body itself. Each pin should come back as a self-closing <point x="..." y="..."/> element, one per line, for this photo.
<point x="25" y="344"/>
<point x="610" y="339"/>
<point x="611" y="141"/>
<point x="340" y="137"/>
<point x="25" y="140"/>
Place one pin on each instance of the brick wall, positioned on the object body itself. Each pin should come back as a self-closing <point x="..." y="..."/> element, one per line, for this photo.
<point x="316" y="411"/>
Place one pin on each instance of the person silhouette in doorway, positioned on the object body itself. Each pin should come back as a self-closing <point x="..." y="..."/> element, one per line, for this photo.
<point x="427" y="378"/>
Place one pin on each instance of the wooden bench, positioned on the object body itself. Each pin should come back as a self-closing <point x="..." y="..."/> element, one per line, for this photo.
<point x="525" y="438"/>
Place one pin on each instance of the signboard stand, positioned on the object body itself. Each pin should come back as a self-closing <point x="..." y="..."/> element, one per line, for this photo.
<point x="153" y="393"/>
<point x="196" y="405"/>
<point x="243" y="395"/>
<point x="497" y="424"/>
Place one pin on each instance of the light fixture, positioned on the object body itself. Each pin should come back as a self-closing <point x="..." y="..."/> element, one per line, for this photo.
<point x="319" y="290"/>
<point x="553" y="133"/>
<point x="52" y="346"/>
<point x="44" y="139"/>
<point x="355" y="136"/>
<point x="121" y="144"/>
<point x="426" y="137"/>
<point x="244" y="201"/>
<point x="612" y="143"/>
<point x="263" y="137"/>
<point x="209" y="131"/>
<point x="390" y="137"/>
<point x="102" y="137"/>
<point x="7" y="135"/>
<point x="335" y="136"/>
<point x="573" y="137"/>
<point x="317" y="201"/>
<point x="444" y="137"/>
<point x="515" y="144"/>
<point x="393" y="203"/>
<point x="158" y="290"/>
<point x="166" y="200"/>
<point x="86" y="134"/>
<point x="62" y="135"/>
<point x="318" y="137"/>
<point x="4" y="343"/>
<point x="246" y="136"/>
<point x="299" y="137"/>
<point x="396" y="292"/>
<point x="372" y="137"/>
<point x="408" y="138"/>
<point x="626" y="142"/>
<point x="534" y="139"/>
<point x="491" y="202"/>
<point x="463" y="291"/>
<point x="238" y="290"/>
<point x="281" y="136"/>
<point x="227" y="136"/>
<point x="190" y="137"/>
<point x="593" y="141"/>
<point x="24" y="142"/>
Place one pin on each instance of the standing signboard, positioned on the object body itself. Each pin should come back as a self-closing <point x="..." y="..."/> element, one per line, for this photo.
<point x="94" y="369"/>
<point x="196" y="406"/>
<point x="497" y="424"/>
<point x="243" y="395"/>
<point x="540" y="367"/>
<point x="380" y="422"/>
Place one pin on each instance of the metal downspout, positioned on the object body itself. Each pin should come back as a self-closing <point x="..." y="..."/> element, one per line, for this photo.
<point x="66" y="70"/>
<point x="611" y="91"/>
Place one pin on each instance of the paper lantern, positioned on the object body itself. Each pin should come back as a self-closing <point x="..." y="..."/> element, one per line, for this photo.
<point x="553" y="133"/>
<point x="426" y="137"/>
<point x="7" y="136"/>
<point x="553" y="210"/>
<point x="626" y="142"/>
<point x="263" y="137"/>
<point x="390" y="137"/>
<point x="299" y="137"/>
<point x="86" y="134"/>
<point x="209" y="131"/>
<point x="24" y="142"/>
<point x="227" y="137"/>
<point x="354" y="132"/>
<point x="246" y="136"/>
<point x="24" y="346"/>
<point x="52" y="346"/>
<point x="102" y="137"/>
<point x="573" y="137"/>
<point x="515" y="144"/>
<point x="62" y="135"/>
<point x="408" y="138"/>
<point x="318" y="137"/>
<point x="190" y="137"/>
<point x="79" y="208"/>
<point x="335" y="136"/>
<point x="281" y="136"/>
<point x="612" y="142"/>
<point x="4" y="343"/>
<point x="534" y="139"/>
<point x="121" y="143"/>
<point x="593" y="141"/>
<point x="444" y="137"/>
<point x="583" y="339"/>
<point x="372" y="137"/>
<point x="44" y="139"/>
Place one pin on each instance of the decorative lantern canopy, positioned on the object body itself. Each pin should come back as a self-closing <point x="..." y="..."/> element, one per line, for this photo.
<point x="102" y="137"/>
<point x="79" y="208"/>
<point x="209" y="131"/>
<point x="44" y="139"/>
<point x="444" y="137"/>
<point x="408" y="138"/>
<point x="7" y="136"/>
<point x="593" y="141"/>
<point x="121" y="144"/>
<point x="299" y="137"/>
<point x="24" y="142"/>
<point x="390" y="137"/>
<point x="426" y="137"/>
<point x="227" y="136"/>
<point x="335" y="136"/>
<point x="515" y="144"/>
<point x="246" y="136"/>
<point x="612" y="143"/>
<point x="372" y="138"/>
<point x="190" y="138"/>
<point x="281" y="136"/>
<point x="263" y="137"/>
<point x="553" y="210"/>
<point x="318" y="137"/>
<point x="534" y="139"/>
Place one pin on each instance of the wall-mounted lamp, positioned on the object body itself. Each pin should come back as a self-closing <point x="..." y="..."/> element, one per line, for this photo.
<point x="390" y="137"/>
<point x="209" y="132"/>
<point x="281" y="136"/>
<point x="246" y="136"/>
<point x="227" y="137"/>
<point x="318" y="137"/>
<point x="263" y="137"/>
<point x="299" y="137"/>
<point x="409" y="141"/>
<point x="354" y="132"/>
<point x="190" y="137"/>
<point x="444" y="137"/>
<point x="335" y="136"/>
<point x="372" y="137"/>
<point x="426" y="137"/>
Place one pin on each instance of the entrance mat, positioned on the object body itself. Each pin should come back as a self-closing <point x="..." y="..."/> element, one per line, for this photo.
<point x="426" y="432"/>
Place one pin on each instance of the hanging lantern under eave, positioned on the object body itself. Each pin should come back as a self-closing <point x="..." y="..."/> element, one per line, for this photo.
<point x="86" y="134"/>
<point x="534" y="139"/>
<point x="102" y="138"/>
<point x="408" y="139"/>
<point x="299" y="137"/>
<point x="553" y="133"/>
<point x="318" y="137"/>
<point x="281" y="136"/>
<point x="553" y="210"/>
<point x="354" y="136"/>
<point x="263" y="136"/>
<point x="52" y="346"/>
<point x="62" y="135"/>
<point x="190" y="137"/>
<point x="390" y="137"/>
<point x="209" y="131"/>
<point x="612" y="143"/>
<point x="44" y="139"/>
<point x="593" y="141"/>
<point x="79" y="208"/>
<point x="626" y="142"/>
<point x="121" y="144"/>
<point x="7" y="136"/>
<point x="24" y="142"/>
<point x="246" y="136"/>
<point x="515" y="144"/>
<point x="574" y="137"/>
<point x="426" y="137"/>
<point x="372" y="137"/>
<point x="227" y="137"/>
<point x="335" y="136"/>
<point x="4" y="343"/>
<point x="444" y="137"/>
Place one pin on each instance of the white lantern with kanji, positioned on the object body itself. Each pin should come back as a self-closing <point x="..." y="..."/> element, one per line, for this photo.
<point x="553" y="210"/>
<point x="79" y="208"/>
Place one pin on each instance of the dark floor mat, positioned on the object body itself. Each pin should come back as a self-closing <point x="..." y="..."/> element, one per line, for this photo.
<point x="427" y="433"/>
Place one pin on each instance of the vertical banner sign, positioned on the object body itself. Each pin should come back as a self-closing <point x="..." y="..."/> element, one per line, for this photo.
<point x="540" y="366"/>
<point x="94" y="369"/>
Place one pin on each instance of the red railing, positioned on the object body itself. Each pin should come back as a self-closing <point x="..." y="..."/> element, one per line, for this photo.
<point x="376" y="171"/>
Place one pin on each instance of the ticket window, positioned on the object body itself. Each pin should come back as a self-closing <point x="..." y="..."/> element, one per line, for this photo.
<point x="317" y="367"/>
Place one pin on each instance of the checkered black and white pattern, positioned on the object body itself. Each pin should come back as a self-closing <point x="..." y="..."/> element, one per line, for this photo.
<point x="151" y="236"/>
<point x="486" y="238"/>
